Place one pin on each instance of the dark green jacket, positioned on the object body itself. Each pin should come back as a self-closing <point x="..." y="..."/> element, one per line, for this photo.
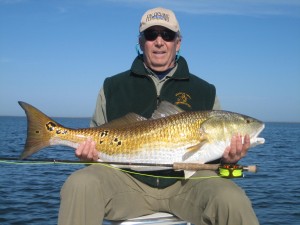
<point x="134" y="91"/>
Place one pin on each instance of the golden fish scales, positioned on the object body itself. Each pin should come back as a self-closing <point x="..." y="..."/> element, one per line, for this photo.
<point x="155" y="134"/>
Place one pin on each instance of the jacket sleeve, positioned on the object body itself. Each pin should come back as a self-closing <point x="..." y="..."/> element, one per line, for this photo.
<point x="99" y="116"/>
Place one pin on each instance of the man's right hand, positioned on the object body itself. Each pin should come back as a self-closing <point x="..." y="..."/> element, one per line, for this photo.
<point x="86" y="151"/>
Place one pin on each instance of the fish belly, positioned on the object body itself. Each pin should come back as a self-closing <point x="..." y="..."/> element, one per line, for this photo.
<point x="157" y="156"/>
<point x="164" y="155"/>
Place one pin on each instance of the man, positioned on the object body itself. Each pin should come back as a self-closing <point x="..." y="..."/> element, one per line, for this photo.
<point x="98" y="192"/>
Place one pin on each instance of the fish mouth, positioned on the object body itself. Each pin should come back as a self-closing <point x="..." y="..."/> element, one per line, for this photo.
<point x="255" y="140"/>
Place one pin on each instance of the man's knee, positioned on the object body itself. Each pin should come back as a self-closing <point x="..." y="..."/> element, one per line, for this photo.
<point x="230" y="203"/>
<point x="80" y="179"/>
<point x="228" y="193"/>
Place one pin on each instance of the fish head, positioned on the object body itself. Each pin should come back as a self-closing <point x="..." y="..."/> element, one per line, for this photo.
<point x="222" y="125"/>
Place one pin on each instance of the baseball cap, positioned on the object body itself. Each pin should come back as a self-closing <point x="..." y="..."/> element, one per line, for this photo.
<point x="159" y="17"/>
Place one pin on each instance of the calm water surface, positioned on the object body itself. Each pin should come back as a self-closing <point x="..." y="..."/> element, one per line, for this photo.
<point x="29" y="193"/>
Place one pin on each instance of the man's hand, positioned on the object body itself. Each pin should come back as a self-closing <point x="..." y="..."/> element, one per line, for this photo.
<point x="237" y="149"/>
<point x="86" y="151"/>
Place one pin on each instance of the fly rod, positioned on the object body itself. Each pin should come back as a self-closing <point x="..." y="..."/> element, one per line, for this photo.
<point x="175" y="165"/>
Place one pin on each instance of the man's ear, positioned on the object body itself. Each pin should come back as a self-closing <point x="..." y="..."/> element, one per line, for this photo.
<point x="178" y="44"/>
<point x="141" y="43"/>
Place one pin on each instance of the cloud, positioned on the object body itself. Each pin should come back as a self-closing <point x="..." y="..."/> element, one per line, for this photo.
<point x="62" y="10"/>
<point x="4" y="60"/>
<point x="224" y="7"/>
<point x="3" y="2"/>
<point x="202" y="7"/>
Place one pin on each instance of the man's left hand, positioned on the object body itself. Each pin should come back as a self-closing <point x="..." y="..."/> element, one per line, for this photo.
<point x="237" y="149"/>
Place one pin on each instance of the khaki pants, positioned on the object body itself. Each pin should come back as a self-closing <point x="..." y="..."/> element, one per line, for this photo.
<point x="98" y="192"/>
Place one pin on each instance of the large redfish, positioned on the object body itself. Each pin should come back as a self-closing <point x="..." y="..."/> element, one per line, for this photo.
<point x="171" y="135"/>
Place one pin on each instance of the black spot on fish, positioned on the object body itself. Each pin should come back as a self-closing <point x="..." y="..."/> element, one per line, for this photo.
<point x="37" y="131"/>
<point x="60" y="131"/>
<point x="117" y="142"/>
<point x="50" y="126"/>
<point x="104" y="133"/>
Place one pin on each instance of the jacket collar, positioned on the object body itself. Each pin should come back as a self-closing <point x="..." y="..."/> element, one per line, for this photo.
<point x="182" y="72"/>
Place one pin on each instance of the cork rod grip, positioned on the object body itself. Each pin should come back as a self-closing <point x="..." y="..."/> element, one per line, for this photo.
<point x="197" y="166"/>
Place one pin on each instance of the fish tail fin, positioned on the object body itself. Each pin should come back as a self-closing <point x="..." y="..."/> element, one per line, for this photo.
<point x="39" y="127"/>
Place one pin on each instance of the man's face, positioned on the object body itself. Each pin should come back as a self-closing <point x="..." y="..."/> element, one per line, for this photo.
<point x="159" y="54"/>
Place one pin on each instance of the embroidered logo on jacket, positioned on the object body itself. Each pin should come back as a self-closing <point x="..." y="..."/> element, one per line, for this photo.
<point x="182" y="99"/>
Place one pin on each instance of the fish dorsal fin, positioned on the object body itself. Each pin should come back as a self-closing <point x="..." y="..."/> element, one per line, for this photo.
<point x="165" y="109"/>
<point x="129" y="119"/>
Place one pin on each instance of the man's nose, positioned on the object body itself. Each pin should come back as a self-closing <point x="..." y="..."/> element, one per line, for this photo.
<point x="159" y="41"/>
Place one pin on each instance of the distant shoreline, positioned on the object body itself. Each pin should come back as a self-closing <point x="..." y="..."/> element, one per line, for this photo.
<point x="71" y="117"/>
<point x="55" y="117"/>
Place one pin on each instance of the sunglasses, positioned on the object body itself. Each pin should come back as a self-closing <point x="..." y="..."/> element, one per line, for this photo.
<point x="166" y="35"/>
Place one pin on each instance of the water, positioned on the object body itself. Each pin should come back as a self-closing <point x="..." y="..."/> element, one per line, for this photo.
<point x="29" y="193"/>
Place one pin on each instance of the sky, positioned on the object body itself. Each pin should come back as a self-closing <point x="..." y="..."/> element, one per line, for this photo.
<point x="55" y="54"/>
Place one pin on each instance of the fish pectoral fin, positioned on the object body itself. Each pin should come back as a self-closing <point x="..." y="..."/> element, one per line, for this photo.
<point x="203" y="140"/>
<point x="128" y="119"/>
<point x="196" y="147"/>
<point x="192" y="150"/>
<point x="165" y="109"/>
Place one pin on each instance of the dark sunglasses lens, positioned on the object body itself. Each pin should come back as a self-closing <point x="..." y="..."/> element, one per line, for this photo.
<point x="150" y="35"/>
<point x="167" y="35"/>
